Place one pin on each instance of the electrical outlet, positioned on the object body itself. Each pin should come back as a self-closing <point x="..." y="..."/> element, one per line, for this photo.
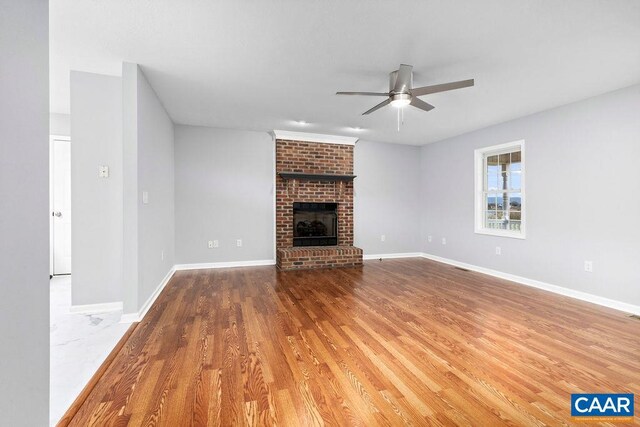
<point x="239" y="243"/>
<point x="429" y="239"/>
<point x="210" y="244"/>
<point x="444" y="240"/>
<point x="215" y="244"/>
<point x="383" y="238"/>
<point x="498" y="250"/>
<point x="145" y="197"/>
<point x="588" y="266"/>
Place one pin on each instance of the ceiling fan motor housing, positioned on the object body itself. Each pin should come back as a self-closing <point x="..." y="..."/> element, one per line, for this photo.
<point x="393" y="76"/>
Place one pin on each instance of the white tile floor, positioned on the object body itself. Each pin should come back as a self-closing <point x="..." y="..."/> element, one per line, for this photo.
<point x="79" y="344"/>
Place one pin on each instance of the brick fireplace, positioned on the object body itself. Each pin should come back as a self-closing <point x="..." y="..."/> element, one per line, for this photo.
<point x="314" y="180"/>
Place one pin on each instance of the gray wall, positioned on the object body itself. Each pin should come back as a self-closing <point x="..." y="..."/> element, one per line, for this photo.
<point x="386" y="199"/>
<point x="130" y="270"/>
<point x="96" y="203"/>
<point x="156" y="220"/>
<point x="60" y="124"/>
<point x="583" y="197"/>
<point x="122" y="248"/>
<point x="149" y="238"/>
<point x="224" y="191"/>
<point x="24" y="223"/>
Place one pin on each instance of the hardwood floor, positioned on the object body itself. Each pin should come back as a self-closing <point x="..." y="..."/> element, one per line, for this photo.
<point x="396" y="342"/>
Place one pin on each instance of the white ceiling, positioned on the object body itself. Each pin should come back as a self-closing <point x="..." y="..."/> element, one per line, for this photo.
<point x="262" y="65"/>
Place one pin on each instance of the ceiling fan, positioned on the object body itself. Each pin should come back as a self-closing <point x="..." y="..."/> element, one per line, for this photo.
<point x="401" y="93"/>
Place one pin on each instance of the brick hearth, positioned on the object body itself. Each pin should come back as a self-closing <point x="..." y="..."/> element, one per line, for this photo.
<point x="319" y="257"/>
<point x="314" y="158"/>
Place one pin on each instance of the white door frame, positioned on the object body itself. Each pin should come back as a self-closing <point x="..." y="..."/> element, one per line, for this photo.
<point x="52" y="140"/>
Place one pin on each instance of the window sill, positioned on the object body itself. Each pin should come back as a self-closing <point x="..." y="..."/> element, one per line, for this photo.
<point x="497" y="233"/>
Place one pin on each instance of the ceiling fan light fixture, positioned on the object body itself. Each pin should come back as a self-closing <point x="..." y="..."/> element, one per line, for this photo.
<point x="400" y="100"/>
<point x="402" y="93"/>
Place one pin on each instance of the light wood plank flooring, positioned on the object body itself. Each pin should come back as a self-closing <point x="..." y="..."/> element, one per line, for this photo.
<point x="397" y="342"/>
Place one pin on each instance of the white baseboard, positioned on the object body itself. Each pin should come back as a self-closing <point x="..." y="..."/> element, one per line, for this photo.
<point x="95" y="308"/>
<point x="229" y="264"/>
<point x="130" y="318"/>
<point x="595" y="299"/>
<point x="136" y="317"/>
<point x="390" y="256"/>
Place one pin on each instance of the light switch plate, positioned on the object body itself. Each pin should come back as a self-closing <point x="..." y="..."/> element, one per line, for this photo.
<point x="145" y="197"/>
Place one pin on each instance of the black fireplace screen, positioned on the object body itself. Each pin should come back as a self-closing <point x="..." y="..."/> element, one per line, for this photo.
<point x="315" y="224"/>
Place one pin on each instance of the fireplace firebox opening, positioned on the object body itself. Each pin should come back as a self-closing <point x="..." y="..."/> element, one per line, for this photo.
<point x="315" y="224"/>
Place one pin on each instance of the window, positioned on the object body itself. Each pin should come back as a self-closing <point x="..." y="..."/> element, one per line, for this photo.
<point x="500" y="199"/>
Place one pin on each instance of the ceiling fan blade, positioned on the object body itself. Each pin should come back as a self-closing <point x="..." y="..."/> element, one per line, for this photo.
<point x="363" y="93"/>
<point x="419" y="103"/>
<point x="425" y="90"/>
<point x="377" y="107"/>
<point x="403" y="79"/>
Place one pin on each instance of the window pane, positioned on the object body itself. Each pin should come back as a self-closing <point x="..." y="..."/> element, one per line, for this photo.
<point x="501" y="181"/>
<point x="515" y="215"/>
<point x="493" y="169"/>
<point x="515" y="211"/>
<point x="501" y="220"/>
<point x="515" y="202"/>
<point x="515" y="166"/>
<point x="494" y="201"/>
<point x="516" y="158"/>
<point x="515" y="180"/>
<point x="492" y="179"/>
<point x="490" y="219"/>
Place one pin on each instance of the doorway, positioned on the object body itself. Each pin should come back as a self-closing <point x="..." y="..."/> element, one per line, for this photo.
<point x="60" y="205"/>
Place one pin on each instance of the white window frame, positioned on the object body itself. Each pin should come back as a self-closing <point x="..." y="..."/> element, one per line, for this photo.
<point x="479" y="156"/>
